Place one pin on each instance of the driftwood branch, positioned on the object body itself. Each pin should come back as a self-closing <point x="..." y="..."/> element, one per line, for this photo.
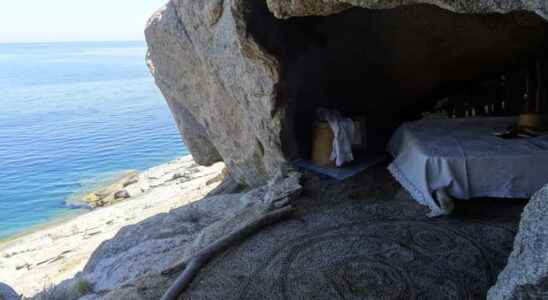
<point x="193" y="265"/>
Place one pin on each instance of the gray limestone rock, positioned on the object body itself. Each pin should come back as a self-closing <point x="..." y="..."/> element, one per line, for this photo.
<point x="220" y="85"/>
<point x="526" y="275"/>
<point x="196" y="138"/>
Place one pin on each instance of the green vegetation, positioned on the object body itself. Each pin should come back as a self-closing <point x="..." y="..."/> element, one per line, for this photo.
<point x="63" y="292"/>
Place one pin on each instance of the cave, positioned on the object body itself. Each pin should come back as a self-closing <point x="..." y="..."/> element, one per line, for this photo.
<point x="253" y="84"/>
<point x="393" y="65"/>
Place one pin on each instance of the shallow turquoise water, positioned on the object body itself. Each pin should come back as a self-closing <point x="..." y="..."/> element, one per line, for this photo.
<point x="72" y="114"/>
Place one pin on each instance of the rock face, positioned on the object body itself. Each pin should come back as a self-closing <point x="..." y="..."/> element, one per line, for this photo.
<point x="244" y="85"/>
<point x="155" y="244"/>
<point x="207" y="68"/>
<point x="526" y="275"/>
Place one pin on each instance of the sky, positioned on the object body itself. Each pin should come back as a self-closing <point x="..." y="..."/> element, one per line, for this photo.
<point x="24" y="21"/>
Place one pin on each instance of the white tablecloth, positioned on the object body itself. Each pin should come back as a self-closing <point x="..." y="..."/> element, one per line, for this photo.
<point x="462" y="158"/>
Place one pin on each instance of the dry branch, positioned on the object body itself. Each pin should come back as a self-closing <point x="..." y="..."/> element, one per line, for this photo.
<point x="193" y="265"/>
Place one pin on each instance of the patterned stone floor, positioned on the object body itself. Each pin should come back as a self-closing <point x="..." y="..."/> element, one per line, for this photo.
<point x="347" y="242"/>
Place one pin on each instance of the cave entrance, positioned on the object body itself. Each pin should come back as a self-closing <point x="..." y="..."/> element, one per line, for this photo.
<point x="392" y="66"/>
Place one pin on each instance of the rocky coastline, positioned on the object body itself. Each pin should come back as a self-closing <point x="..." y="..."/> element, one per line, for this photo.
<point x="33" y="262"/>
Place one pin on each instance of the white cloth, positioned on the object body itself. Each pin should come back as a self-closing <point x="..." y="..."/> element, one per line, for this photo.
<point x="463" y="158"/>
<point x="343" y="131"/>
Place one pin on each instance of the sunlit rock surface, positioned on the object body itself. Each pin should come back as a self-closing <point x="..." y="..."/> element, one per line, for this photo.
<point x="205" y="63"/>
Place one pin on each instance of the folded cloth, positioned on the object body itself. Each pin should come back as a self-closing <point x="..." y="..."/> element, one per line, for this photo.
<point x="343" y="131"/>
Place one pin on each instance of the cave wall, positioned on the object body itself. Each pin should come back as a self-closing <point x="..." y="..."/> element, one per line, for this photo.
<point x="243" y="85"/>
<point x="391" y="65"/>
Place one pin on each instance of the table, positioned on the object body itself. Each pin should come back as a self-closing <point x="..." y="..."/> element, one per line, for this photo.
<point x="436" y="160"/>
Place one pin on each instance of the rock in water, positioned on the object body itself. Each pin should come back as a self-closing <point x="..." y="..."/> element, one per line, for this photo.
<point x="7" y="293"/>
<point x="526" y="275"/>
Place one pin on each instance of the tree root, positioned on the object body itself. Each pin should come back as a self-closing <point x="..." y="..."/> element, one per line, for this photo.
<point x="193" y="265"/>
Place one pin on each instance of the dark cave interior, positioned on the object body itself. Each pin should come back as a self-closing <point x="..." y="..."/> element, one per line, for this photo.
<point x="392" y="65"/>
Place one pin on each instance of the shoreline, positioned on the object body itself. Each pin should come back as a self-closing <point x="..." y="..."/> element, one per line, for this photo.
<point x="71" y="214"/>
<point x="55" y="251"/>
<point x="75" y="205"/>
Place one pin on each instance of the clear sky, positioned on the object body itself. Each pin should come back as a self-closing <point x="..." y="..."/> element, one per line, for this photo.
<point x="74" y="20"/>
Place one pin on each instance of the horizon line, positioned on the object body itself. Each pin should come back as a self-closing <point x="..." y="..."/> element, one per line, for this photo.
<point x="70" y="41"/>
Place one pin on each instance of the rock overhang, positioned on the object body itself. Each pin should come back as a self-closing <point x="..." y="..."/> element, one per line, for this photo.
<point x="299" y="8"/>
<point x="243" y="77"/>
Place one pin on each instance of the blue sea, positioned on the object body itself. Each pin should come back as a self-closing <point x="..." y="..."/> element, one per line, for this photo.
<point x="72" y="115"/>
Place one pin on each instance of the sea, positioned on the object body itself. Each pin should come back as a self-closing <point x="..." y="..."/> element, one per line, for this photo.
<point x="73" y="115"/>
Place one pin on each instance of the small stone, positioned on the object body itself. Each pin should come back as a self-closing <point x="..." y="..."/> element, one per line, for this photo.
<point x="177" y="176"/>
<point x="121" y="194"/>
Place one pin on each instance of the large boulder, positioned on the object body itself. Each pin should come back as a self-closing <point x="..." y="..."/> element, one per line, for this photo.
<point x="205" y="64"/>
<point x="244" y="85"/>
<point x="526" y="275"/>
<point x="199" y="143"/>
